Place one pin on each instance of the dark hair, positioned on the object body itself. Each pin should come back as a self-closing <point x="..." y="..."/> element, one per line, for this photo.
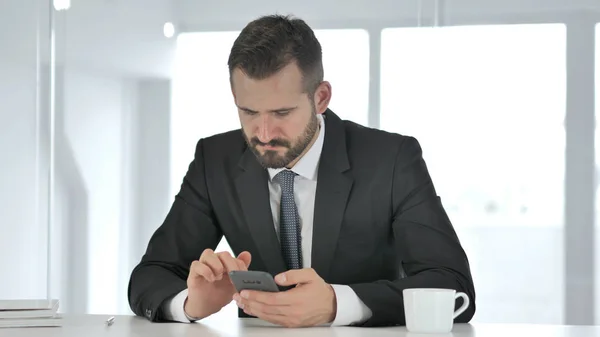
<point x="269" y="43"/>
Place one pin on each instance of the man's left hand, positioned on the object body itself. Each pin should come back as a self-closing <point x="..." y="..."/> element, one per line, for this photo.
<point x="312" y="302"/>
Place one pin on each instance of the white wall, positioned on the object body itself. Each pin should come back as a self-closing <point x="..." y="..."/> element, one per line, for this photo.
<point x="93" y="122"/>
<point x="153" y="174"/>
<point x="111" y="191"/>
<point x="111" y="132"/>
<point x="124" y="37"/>
<point x="105" y="93"/>
<point x="22" y="237"/>
<point x="23" y="220"/>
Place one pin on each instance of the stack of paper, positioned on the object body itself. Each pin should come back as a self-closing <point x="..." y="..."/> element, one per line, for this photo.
<point x="29" y="313"/>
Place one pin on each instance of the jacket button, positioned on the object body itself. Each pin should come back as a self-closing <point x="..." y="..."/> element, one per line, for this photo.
<point x="148" y="313"/>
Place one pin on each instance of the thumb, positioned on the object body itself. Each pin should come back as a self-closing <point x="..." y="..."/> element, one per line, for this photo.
<point x="297" y="276"/>
<point x="245" y="257"/>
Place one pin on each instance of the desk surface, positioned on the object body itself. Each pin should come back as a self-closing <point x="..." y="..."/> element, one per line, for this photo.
<point x="125" y="326"/>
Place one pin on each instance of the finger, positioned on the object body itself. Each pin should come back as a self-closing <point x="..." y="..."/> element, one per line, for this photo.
<point x="241" y="265"/>
<point x="262" y="309"/>
<point x="206" y="253"/>
<point x="212" y="260"/>
<point x="279" y="298"/>
<point x="201" y="270"/>
<point x="267" y="308"/>
<point x="246" y="257"/>
<point x="297" y="276"/>
<point x="228" y="261"/>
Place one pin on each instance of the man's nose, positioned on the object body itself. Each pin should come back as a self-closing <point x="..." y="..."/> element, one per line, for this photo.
<point x="264" y="130"/>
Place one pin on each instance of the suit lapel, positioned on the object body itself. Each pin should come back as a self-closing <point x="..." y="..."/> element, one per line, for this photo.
<point x="333" y="188"/>
<point x="251" y="185"/>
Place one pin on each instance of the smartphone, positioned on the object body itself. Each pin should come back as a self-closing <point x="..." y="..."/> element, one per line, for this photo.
<point x="253" y="280"/>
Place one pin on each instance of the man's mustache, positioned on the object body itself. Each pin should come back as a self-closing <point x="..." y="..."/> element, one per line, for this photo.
<point x="272" y="142"/>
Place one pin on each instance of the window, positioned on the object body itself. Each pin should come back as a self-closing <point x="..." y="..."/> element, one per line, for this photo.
<point x="346" y="67"/>
<point x="202" y="101"/>
<point x="487" y="104"/>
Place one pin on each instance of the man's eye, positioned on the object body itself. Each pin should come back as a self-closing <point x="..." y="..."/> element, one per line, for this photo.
<point x="250" y="113"/>
<point x="283" y="113"/>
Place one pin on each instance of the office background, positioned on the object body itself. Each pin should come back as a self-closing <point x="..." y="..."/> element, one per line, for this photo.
<point x="101" y="105"/>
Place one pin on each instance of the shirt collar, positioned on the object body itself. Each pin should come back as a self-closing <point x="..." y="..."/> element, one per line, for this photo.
<point x="307" y="165"/>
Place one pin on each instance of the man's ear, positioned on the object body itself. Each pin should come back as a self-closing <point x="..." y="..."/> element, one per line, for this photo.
<point x="322" y="97"/>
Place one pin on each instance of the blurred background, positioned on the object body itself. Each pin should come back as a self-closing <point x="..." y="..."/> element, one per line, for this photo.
<point x="103" y="101"/>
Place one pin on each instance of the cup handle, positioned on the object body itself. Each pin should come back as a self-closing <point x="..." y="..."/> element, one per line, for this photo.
<point x="462" y="307"/>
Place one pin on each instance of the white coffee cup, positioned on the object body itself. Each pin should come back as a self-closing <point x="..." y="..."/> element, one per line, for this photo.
<point x="431" y="310"/>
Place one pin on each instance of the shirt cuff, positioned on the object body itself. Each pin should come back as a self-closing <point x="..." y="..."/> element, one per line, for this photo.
<point x="174" y="308"/>
<point x="350" y="308"/>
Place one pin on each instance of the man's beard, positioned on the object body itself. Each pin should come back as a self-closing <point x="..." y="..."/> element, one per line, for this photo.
<point x="271" y="159"/>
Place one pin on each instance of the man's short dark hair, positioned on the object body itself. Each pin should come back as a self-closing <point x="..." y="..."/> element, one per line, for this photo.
<point x="270" y="43"/>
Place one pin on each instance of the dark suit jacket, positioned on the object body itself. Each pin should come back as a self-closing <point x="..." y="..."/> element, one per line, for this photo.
<point x="379" y="226"/>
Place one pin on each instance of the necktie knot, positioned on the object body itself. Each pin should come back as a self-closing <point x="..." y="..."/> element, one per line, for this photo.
<point x="285" y="178"/>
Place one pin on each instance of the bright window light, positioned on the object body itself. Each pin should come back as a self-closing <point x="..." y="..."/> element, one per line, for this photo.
<point x="202" y="104"/>
<point x="346" y="67"/>
<point x="482" y="100"/>
<point x="62" y="5"/>
<point x="487" y="104"/>
<point x="169" y="30"/>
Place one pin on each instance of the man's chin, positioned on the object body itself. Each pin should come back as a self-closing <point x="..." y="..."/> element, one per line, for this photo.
<point x="273" y="161"/>
<point x="272" y="164"/>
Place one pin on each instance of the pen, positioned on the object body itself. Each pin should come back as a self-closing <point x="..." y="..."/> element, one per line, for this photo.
<point x="110" y="321"/>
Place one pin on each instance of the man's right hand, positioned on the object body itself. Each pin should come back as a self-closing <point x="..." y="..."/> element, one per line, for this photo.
<point x="209" y="286"/>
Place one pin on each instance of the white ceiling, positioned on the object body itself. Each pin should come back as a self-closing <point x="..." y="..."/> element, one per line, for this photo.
<point x="125" y="36"/>
<point x="233" y="14"/>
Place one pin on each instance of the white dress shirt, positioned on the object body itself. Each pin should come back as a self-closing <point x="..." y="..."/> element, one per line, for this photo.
<point x="350" y="309"/>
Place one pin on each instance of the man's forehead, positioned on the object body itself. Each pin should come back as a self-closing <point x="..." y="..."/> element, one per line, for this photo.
<point x="286" y="79"/>
<point x="267" y="94"/>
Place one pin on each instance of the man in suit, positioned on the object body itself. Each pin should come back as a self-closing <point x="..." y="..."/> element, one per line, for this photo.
<point x="344" y="216"/>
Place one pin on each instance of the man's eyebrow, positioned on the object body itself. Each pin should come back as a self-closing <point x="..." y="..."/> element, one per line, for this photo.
<point x="283" y="109"/>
